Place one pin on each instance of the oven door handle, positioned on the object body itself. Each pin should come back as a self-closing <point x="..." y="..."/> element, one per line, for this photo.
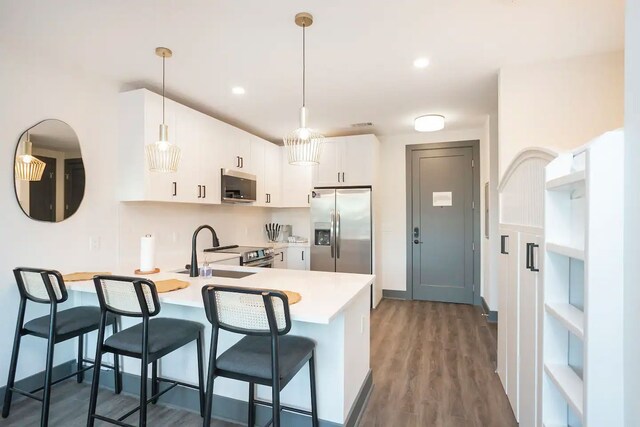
<point x="261" y="263"/>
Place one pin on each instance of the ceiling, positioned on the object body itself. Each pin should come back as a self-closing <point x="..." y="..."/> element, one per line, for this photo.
<point x="359" y="53"/>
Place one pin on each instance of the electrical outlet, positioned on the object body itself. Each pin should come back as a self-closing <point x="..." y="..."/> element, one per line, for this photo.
<point x="94" y="243"/>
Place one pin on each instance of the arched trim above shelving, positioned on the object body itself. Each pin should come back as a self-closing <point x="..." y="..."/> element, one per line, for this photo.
<point x="522" y="188"/>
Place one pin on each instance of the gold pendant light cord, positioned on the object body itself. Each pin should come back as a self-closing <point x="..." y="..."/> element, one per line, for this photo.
<point x="163" y="59"/>
<point x="304" y="66"/>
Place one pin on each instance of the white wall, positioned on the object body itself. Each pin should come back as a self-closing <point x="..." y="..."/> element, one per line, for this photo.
<point x="632" y="216"/>
<point x="561" y="104"/>
<point x="394" y="203"/>
<point x="33" y="91"/>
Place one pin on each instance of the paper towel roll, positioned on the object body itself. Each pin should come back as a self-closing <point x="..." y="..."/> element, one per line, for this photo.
<point x="147" y="253"/>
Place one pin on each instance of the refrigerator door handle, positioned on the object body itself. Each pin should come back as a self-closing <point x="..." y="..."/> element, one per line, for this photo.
<point x="338" y="235"/>
<point x="332" y="236"/>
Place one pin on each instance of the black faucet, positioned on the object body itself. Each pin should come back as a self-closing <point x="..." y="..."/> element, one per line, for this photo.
<point x="193" y="269"/>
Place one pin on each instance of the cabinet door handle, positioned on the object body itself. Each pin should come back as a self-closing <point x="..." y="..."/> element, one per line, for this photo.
<point x="528" y="257"/>
<point x="237" y="161"/>
<point x="342" y="176"/>
<point x="303" y="255"/>
<point x="504" y="239"/>
<point x="533" y="259"/>
<point x="175" y="188"/>
<point x="199" y="191"/>
<point x="308" y="202"/>
<point x="241" y="162"/>
<point x="338" y="176"/>
<point x="204" y="191"/>
<point x="282" y="256"/>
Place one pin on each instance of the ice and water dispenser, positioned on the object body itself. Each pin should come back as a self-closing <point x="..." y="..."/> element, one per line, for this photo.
<point x="322" y="234"/>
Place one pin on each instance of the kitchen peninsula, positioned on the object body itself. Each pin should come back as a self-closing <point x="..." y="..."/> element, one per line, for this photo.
<point x="333" y="311"/>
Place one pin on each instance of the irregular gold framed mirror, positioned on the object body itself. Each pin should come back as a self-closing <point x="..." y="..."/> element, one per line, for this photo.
<point x="49" y="172"/>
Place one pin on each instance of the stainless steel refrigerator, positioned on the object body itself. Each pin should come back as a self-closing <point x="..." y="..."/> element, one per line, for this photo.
<point x="341" y="230"/>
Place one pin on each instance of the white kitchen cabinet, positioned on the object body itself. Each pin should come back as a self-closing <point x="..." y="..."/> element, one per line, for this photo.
<point x="235" y="149"/>
<point x="346" y="161"/>
<point x="295" y="189"/>
<point x="509" y="272"/>
<point x="256" y="167"/>
<point x="528" y="331"/>
<point x="280" y="258"/>
<point x="272" y="177"/>
<point x="298" y="258"/>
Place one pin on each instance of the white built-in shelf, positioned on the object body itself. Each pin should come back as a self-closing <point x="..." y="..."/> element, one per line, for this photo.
<point x="567" y="182"/>
<point x="566" y="250"/>
<point x="570" y="316"/>
<point x="568" y="383"/>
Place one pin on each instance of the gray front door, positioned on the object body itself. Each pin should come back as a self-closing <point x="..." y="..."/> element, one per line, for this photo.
<point x="442" y="224"/>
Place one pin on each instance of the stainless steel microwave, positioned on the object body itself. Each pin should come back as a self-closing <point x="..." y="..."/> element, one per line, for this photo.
<point x="238" y="187"/>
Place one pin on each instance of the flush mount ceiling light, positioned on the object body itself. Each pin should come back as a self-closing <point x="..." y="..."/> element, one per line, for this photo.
<point x="429" y="123"/>
<point x="163" y="156"/>
<point x="27" y="167"/>
<point x="238" y="90"/>
<point x="303" y="144"/>
<point x="421" y="62"/>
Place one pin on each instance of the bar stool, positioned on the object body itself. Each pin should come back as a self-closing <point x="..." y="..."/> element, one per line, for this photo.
<point x="148" y="341"/>
<point x="47" y="287"/>
<point x="266" y="355"/>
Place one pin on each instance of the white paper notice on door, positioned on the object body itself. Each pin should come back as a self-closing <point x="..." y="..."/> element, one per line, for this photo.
<point x="442" y="198"/>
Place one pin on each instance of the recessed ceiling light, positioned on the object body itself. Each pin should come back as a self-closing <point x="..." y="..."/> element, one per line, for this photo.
<point x="238" y="90"/>
<point x="429" y="123"/>
<point x="421" y="62"/>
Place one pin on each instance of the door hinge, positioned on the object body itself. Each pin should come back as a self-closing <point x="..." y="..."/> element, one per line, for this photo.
<point x="473" y="163"/>
<point x="473" y="246"/>
<point x="473" y="205"/>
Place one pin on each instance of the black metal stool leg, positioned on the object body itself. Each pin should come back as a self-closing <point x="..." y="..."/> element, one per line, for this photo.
<point x="275" y="398"/>
<point x="14" y="360"/>
<point x="46" y="396"/>
<point x="206" y="422"/>
<point x="79" y="363"/>
<point x="93" y="399"/>
<point x="201" y="386"/>
<point x="154" y="381"/>
<point x="252" y="414"/>
<point x="144" y="374"/>
<point x="312" y="380"/>
<point x="117" y="375"/>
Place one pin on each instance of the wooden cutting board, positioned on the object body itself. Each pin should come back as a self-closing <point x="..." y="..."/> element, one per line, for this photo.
<point x="83" y="276"/>
<point x="293" y="297"/>
<point x="170" y="285"/>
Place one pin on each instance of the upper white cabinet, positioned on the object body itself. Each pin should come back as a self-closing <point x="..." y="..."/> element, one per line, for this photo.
<point x="296" y="184"/>
<point x="236" y="148"/>
<point x="346" y="161"/>
<point x="272" y="177"/>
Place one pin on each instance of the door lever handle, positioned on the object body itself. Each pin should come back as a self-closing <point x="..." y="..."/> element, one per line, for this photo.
<point x="417" y="242"/>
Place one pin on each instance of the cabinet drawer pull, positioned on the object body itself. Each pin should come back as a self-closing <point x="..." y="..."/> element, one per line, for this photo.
<point x="199" y="191"/>
<point x="504" y="239"/>
<point x="241" y="162"/>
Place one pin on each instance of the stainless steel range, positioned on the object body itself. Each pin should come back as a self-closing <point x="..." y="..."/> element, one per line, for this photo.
<point x="249" y="256"/>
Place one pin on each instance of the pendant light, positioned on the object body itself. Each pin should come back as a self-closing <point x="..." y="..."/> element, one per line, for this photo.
<point x="163" y="156"/>
<point x="303" y="144"/>
<point x="28" y="167"/>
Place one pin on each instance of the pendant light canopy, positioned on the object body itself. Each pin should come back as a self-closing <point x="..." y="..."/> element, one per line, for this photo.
<point x="29" y="168"/>
<point x="303" y="144"/>
<point x="163" y="156"/>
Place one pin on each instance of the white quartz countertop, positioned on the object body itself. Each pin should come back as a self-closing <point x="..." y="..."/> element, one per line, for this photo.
<point x="324" y="295"/>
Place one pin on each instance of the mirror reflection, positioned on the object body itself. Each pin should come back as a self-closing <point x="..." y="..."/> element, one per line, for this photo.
<point x="49" y="172"/>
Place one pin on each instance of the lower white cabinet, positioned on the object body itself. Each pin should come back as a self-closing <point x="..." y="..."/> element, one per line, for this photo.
<point x="519" y="326"/>
<point x="280" y="258"/>
<point x="298" y="258"/>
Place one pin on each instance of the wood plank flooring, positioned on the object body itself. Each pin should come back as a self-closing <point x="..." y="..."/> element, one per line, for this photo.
<point x="433" y="365"/>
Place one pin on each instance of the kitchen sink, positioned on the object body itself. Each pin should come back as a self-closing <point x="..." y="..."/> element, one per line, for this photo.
<point x="230" y="274"/>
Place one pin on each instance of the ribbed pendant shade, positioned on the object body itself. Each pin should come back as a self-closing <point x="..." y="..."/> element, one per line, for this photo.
<point x="29" y="168"/>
